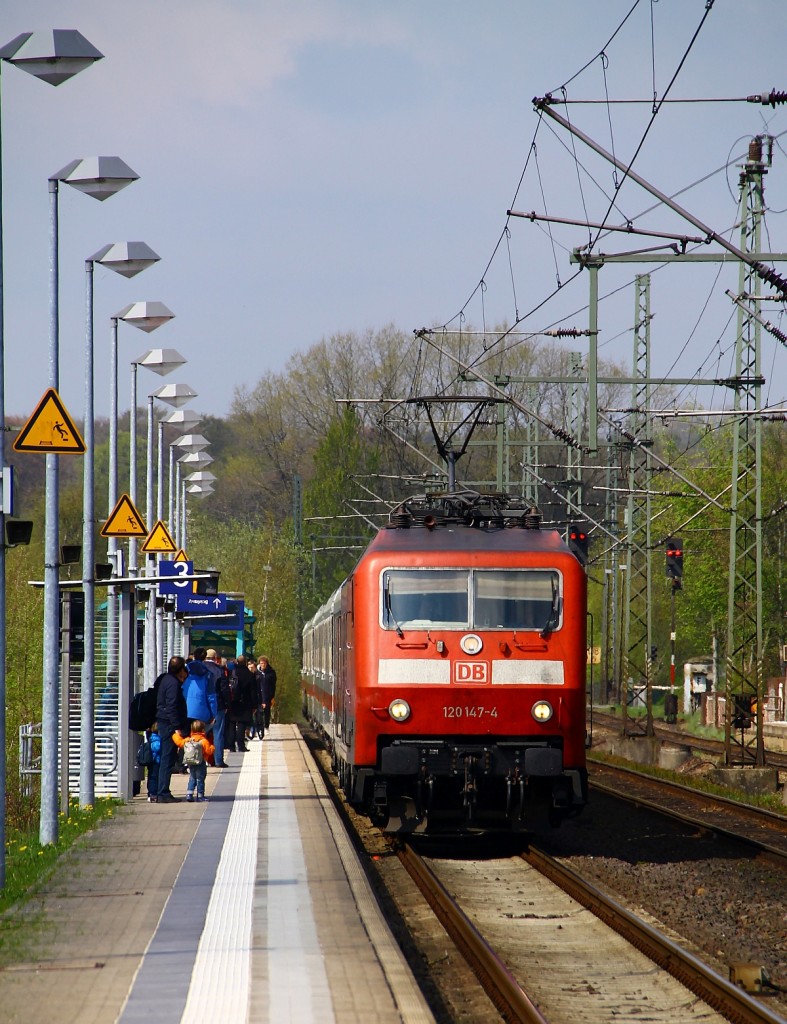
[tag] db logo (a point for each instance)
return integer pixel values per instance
(471, 671)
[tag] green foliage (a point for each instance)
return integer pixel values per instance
(28, 862)
(261, 562)
(344, 454)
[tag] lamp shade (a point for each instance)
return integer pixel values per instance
(161, 360)
(186, 419)
(175, 394)
(192, 442)
(199, 490)
(126, 258)
(97, 176)
(147, 316)
(53, 56)
(195, 460)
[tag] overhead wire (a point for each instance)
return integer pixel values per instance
(519, 320)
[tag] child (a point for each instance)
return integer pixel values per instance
(151, 759)
(197, 748)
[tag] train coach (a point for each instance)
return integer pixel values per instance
(447, 673)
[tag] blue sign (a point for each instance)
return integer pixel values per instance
(201, 604)
(236, 609)
(175, 569)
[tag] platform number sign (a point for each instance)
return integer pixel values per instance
(178, 571)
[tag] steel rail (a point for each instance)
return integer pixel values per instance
(746, 810)
(757, 845)
(774, 758)
(733, 1003)
(496, 980)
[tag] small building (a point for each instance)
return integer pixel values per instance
(699, 677)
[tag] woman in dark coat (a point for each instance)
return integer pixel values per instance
(241, 703)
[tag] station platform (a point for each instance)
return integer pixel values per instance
(249, 907)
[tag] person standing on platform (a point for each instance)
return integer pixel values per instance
(214, 666)
(171, 716)
(242, 689)
(256, 728)
(199, 689)
(197, 749)
(154, 742)
(266, 684)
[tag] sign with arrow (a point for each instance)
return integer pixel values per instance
(50, 429)
(201, 604)
(124, 521)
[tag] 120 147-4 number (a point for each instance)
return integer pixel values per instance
(468, 711)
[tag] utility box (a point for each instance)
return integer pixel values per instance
(698, 679)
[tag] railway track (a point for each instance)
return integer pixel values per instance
(523, 908)
(550, 947)
(762, 830)
(773, 758)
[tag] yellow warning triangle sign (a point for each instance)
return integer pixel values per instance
(50, 429)
(181, 556)
(158, 540)
(124, 521)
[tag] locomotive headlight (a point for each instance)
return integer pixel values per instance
(542, 711)
(399, 710)
(471, 643)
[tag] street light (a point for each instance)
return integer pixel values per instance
(146, 316)
(160, 361)
(176, 394)
(127, 259)
(189, 444)
(186, 419)
(154, 650)
(195, 461)
(201, 477)
(53, 57)
(98, 177)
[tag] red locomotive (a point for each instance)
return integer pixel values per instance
(447, 673)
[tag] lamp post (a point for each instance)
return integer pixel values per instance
(186, 420)
(154, 631)
(99, 177)
(147, 317)
(160, 361)
(127, 259)
(189, 445)
(53, 57)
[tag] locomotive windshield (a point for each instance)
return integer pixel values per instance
(471, 598)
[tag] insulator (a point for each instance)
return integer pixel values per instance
(399, 520)
(531, 520)
(769, 274)
(768, 99)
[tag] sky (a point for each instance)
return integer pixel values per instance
(311, 167)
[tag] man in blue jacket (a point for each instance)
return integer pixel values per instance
(199, 689)
(214, 666)
(170, 715)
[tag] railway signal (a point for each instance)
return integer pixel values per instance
(744, 711)
(675, 560)
(578, 542)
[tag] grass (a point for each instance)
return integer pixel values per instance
(28, 862)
